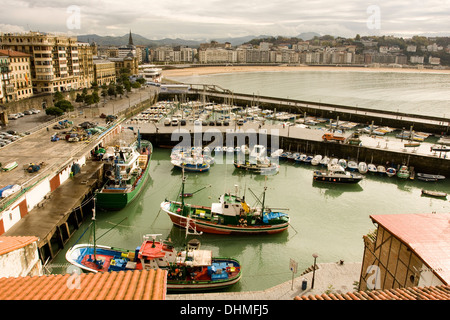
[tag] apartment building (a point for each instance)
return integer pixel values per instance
(54, 59)
(15, 74)
(86, 62)
(104, 72)
(4, 78)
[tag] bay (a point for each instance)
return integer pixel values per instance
(408, 92)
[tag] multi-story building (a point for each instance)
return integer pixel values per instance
(4, 78)
(16, 77)
(86, 62)
(54, 59)
(104, 71)
(434, 60)
(219, 55)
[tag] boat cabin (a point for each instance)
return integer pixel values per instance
(154, 255)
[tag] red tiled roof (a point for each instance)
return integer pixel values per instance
(12, 53)
(426, 234)
(122, 285)
(8, 243)
(411, 293)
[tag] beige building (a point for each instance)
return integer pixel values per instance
(57, 61)
(406, 250)
(86, 61)
(104, 71)
(16, 78)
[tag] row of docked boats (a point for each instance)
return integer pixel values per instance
(361, 167)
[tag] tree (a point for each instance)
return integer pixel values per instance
(54, 111)
(95, 97)
(119, 89)
(58, 96)
(112, 89)
(79, 98)
(64, 105)
(89, 99)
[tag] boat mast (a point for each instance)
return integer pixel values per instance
(93, 221)
(264, 195)
(182, 189)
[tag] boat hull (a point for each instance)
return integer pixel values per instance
(210, 227)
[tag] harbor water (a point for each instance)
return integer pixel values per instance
(327, 220)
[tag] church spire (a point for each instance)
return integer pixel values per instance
(130, 39)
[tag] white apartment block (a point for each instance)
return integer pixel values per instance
(416, 59)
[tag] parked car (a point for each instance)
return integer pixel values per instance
(13, 116)
(183, 122)
(27, 112)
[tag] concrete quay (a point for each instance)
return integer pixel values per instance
(328, 278)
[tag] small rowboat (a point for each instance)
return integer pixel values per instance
(10, 166)
(436, 194)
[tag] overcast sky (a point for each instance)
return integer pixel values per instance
(210, 19)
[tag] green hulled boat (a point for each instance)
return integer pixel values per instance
(126, 169)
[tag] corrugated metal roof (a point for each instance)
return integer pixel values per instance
(410, 293)
(427, 234)
(8, 243)
(122, 285)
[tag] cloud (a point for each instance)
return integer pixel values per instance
(217, 18)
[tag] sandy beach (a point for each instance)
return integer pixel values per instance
(187, 72)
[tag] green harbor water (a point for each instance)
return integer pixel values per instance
(329, 220)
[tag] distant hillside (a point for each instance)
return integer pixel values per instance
(308, 35)
(142, 41)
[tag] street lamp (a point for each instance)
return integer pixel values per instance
(315, 255)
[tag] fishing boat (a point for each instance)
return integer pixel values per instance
(343, 163)
(372, 168)
(10, 166)
(257, 162)
(435, 194)
(316, 160)
(382, 170)
(429, 177)
(308, 159)
(190, 269)
(126, 169)
(336, 174)
(352, 165)
(441, 148)
(390, 172)
(403, 172)
(193, 164)
(231, 215)
(325, 160)
(362, 167)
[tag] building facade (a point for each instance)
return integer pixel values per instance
(104, 72)
(58, 63)
(16, 77)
